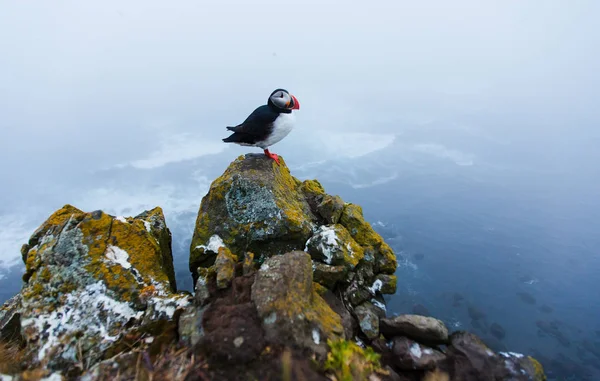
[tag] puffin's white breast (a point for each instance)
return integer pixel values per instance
(282, 126)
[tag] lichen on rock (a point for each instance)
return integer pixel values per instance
(333, 245)
(257, 206)
(290, 308)
(89, 278)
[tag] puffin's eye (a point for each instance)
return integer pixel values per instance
(281, 96)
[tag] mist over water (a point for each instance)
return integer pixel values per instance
(468, 132)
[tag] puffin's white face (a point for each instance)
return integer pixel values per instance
(284, 100)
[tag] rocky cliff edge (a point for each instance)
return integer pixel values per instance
(289, 285)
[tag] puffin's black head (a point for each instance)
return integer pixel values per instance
(281, 99)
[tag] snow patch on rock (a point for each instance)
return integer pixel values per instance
(214, 244)
(81, 314)
(415, 350)
(117, 255)
(316, 336)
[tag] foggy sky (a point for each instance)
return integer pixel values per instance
(86, 87)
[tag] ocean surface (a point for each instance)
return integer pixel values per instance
(509, 252)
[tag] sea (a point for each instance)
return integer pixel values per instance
(490, 237)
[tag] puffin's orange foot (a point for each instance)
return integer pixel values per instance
(272, 156)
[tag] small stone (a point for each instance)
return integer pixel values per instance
(190, 325)
(331, 208)
(238, 341)
(368, 320)
(421, 328)
(202, 294)
(289, 305)
(410, 355)
(248, 266)
(385, 259)
(356, 294)
(225, 267)
(328, 276)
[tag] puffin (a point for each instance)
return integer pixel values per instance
(268, 124)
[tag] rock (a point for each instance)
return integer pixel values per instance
(379, 306)
(248, 266)
(384, 283)
(90, 279)
(201, 290)
(469, 358)
(257, 206)
(328, 276)
(338, 307)
(289, 307)
(10, 320)
(357, 294)
(313, 193)
(225, 267)
(410, 355)
(421, 328)
(333, 245)
(368, 320)
(190, 328)
(497, 331)
(331, 209)
(362, 232)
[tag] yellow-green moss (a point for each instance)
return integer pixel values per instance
(61, 216)
(287, 198)
(362, 232)
(145, 254)
(321, 313)
(312, 188)
(539, 370)
(319, 289)
(346, 361)
(222, 213)
(302, 299)
(386, 259)
(354, 252)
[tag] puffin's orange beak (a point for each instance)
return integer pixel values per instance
(296, 103)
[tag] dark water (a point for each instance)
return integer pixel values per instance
(496, 262)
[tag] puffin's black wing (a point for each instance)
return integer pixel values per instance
(255, 128)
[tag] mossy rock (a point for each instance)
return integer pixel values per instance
(364, 234)
(225, 267)
(328, 276)
(89, 278)
(257, 206)
(331, 208)
(368, 319)
(290, 307)
(385, 284)
(333, 245)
